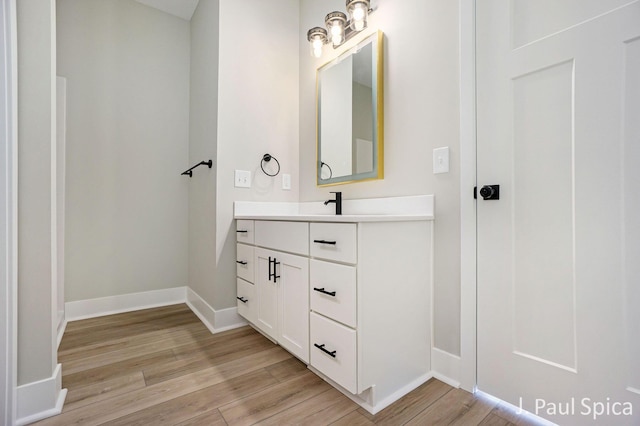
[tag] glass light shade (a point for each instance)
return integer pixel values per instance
(358, 14)
(335, 22)
(317, 38)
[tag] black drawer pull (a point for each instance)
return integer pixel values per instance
(242, 231)
(333, 243)
(321, 347)
(242, 299)
(241, 262)
(323, 291)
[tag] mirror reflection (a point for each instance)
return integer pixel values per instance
(350, 115)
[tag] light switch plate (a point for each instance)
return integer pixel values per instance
(286, 181)
(243, 179)
(441, 160)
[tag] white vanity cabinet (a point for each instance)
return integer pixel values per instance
(351, 299)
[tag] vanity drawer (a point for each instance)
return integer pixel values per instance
(292, 237)
(244, 231)
(245, 262)
(333, 291)
(246, 300)
(334, 241)
(340, 341)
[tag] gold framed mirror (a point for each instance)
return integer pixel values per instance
(350, 116)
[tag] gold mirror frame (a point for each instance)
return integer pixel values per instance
(377, 104)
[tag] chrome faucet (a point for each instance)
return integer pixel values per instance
(337, 201)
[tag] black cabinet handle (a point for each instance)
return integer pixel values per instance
(242, 231)
(323, 291)
(242, 299)
(241, 262)
(273, 274)
(333, 243)
(321, 347)
(275, 277)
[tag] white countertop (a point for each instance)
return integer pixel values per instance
(395, 209)
(339, 218)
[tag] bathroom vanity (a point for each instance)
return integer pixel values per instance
(348, 295)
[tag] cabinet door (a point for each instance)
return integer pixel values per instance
(293, 326)
(267, 291)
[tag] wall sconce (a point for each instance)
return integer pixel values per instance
(339, 29)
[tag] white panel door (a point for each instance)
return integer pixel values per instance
(293, 279)
(267, 293)
(558, 129)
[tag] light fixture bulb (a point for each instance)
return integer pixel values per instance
(335, 29)
(317, 38)
(358, 25)
(336, 33)
(316, 46)
(335, 22)
(358, 11)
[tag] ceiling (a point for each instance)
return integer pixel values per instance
(181, 8)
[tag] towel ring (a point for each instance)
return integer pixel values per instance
(322, 164)
(265, 159)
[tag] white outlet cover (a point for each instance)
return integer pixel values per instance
(441, 160)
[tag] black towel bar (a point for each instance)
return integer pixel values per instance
(202, 163)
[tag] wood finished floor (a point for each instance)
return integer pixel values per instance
(163, 367)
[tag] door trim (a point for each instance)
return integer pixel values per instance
(8, 211)
(468, 277)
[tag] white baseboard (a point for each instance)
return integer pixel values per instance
(91, 308)
(445, 367)
(41, 399)
(409, 387)
(364, 399)
(216, 321)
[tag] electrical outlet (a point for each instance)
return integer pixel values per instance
(441, 160)
(286, 181)
(243, 179)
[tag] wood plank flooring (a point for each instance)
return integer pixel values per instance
(163, 367)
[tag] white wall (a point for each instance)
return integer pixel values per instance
(36, 186)
(421, 86)
(257, 113)
(203, 124)
(127, 70)
(39, 390)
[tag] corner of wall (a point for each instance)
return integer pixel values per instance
(215, 320)
(41, 399)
